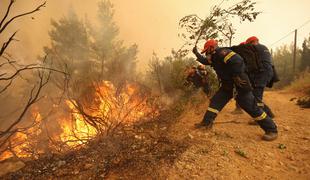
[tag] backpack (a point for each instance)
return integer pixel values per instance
(250, 56)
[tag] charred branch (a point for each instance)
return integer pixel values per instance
(7, 12)
(6, 44)
(4, 24)
(33, 98)
(20, 68)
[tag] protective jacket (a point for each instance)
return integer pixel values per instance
(264, 76)
(227, 65)
(230, 69)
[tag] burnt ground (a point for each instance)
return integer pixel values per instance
(171, 148)
(137, 151)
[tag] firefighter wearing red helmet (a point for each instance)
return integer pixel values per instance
(252, 40)
(230, 69)
(264, 75)
(198, 76)
(209, 46)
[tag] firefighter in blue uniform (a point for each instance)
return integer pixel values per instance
(261, 78)
(230, 69)
(198, 76)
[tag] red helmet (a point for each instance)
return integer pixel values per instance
(242, 43)
(251, 39)
(210, 43)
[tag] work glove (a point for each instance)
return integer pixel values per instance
(195, 50)
(239, 82)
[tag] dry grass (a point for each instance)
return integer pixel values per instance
(301, 84)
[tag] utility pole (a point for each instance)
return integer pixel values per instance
(295, 49)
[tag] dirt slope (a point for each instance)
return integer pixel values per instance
(233, 149)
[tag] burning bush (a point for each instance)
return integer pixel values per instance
(108, 109)
(102, 112)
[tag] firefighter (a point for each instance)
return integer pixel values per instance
(198, 76)
(263, 76)
(230, 69)
(238, 109)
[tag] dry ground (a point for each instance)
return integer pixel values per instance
(233, 149)
(173, 149)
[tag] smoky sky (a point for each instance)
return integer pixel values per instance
(152, 24)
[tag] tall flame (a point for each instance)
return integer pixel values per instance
(76, 132)
(109, 106)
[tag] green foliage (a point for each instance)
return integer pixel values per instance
(217, 24)
(241, 152)
(282, 146)
(305, 55)
(70, 52)
(283, 61)
(225, 153)
(168, 75)
(90, 52)
(118, 63)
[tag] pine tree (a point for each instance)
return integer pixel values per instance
(91, 53)
(305, 55)
(117, 62)
(70, 47)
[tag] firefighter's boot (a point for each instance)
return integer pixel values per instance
(270, 136)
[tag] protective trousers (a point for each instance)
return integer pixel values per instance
(247, 102)
(259, 81)
(258, 92)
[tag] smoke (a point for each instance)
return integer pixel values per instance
(149, 24)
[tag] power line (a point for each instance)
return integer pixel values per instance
(281, 38)
(290, 33)
(304, 24)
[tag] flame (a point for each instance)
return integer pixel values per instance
(110, 107)
(79, 131)
(20, 144)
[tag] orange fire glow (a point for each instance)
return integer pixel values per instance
(111, 106)
(20, 144)
(108, 108)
